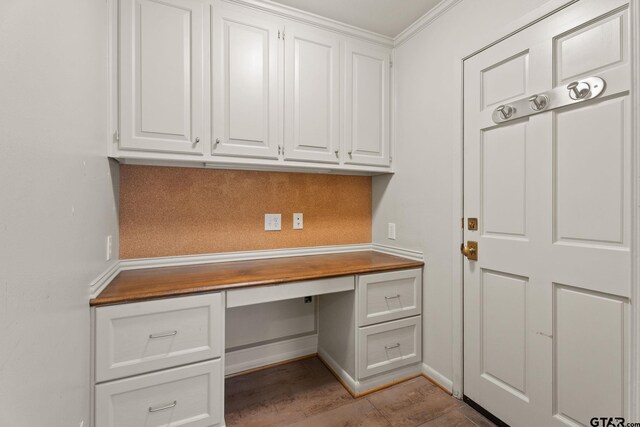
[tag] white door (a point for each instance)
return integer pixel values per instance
(312, 95)
(366, 103)
(546, 302)
(163, 60)
(245, 71)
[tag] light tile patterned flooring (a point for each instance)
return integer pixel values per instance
(305, 393)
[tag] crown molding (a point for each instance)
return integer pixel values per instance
(308, 18)
(424, 21)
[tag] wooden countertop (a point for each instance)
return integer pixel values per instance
(151, 283)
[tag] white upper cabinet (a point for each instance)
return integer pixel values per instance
(213, 83)
(366, 96)
(312, 95)
(164, 55)
(245, 70)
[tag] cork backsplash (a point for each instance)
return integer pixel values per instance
(168, 211)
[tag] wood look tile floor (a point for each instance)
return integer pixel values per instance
(305, 393)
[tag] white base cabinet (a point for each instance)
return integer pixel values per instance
(373, 336)
(160, 362)
(209, 83)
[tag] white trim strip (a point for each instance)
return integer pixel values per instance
(173, 261)
(437, 377)
(267, 354)
(634, 397)
(392, 250)
(100, 282)
(318, 21)
(424, 21)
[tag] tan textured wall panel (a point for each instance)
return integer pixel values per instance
(168, 211)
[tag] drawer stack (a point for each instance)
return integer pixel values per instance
(160, 362)
(389, 321)
(372, 337)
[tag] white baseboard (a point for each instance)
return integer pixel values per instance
(347, 380)
(388, 378)
(436, 376)
(366, 384)
(268, 354)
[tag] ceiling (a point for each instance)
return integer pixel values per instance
(387, 17)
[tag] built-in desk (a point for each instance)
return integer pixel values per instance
(158, 333)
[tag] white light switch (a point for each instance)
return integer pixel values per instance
(391, 232)
(272, 222)
(297, 221)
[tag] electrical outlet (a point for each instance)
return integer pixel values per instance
(272, 222)
(297, 221)
(391, 231)
(109, 248)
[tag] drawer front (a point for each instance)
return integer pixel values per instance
(388, 346)
(261, 294)
(147, 336)
(389, 296)
(187, 396)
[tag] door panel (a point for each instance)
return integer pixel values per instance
(245, 84)
(504, 189)
(367, 104)
(505, 80)
(504, 324)
(312, 96)
(590, 172)
(164, 54)
(545, 323)
(590, 48)
(590, 334)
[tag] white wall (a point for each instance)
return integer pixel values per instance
(418, 197)
(57, 204)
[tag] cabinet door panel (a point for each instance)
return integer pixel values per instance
(312, 105)
(367, 104)
(245, 85)
(163, 55)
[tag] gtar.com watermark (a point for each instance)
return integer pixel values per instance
(611, 422)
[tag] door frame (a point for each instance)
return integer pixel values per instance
(460, 56)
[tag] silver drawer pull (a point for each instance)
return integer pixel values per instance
(395, 296)
(389, 347)
(164, 334)
(162, 408)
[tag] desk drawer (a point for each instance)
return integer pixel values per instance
(262, 294)
(389, 296)
(147, 336)
(187, 396)
(389, 346)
